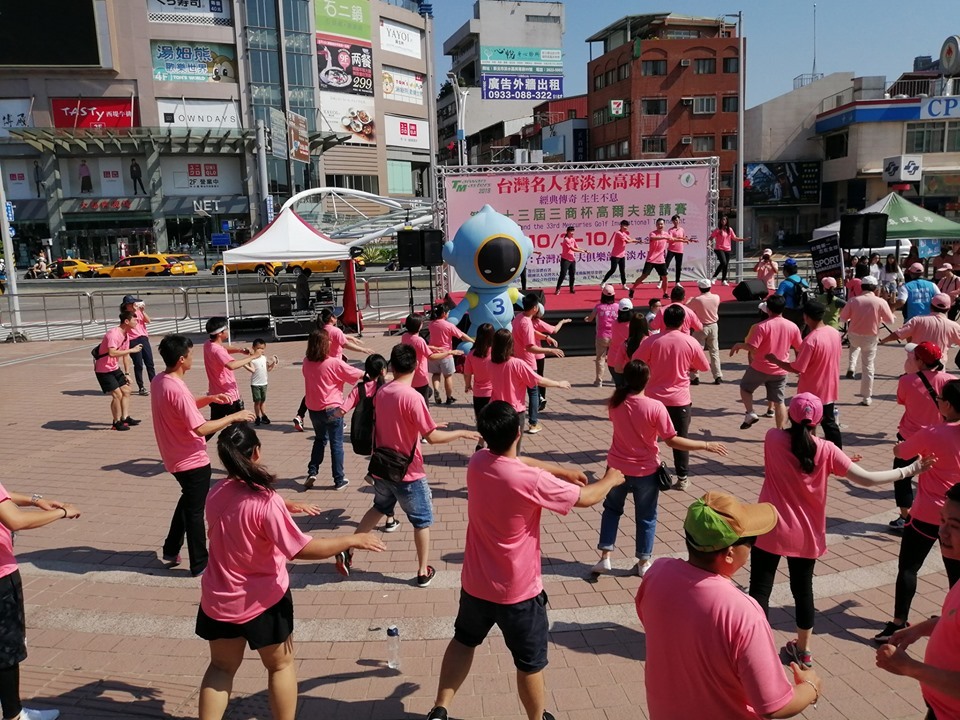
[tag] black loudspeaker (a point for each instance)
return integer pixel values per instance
(280, 305)
(409, 249)
(735, 321)
(433, 248)
(863, 230)
(752, 289)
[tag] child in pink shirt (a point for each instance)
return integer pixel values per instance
(425, 353)
(476, 371)
(442, 333)
(605, 314)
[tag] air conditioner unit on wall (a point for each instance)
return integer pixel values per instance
(687, 100)
(686, 140)
(685, 62)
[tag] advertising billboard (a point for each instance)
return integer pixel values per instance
(352, 114)
(402, 85)
(298, 139)
(345, 64)
(521, 87)
(407, 132)
(191, 12)
(401, 39)
(188, 61)
(594, 201)
(530, 60)
(346, 18)
(203, 176)
(103, 177)
(95, 113)
(781, 183)
(14, 114)
(190, 113)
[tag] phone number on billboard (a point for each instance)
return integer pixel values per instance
(521, 95)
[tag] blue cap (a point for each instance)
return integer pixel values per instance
(789, 262)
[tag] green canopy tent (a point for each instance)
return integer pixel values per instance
(905, 221)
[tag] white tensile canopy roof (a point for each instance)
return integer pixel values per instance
(288, 237)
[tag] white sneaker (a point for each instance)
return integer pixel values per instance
(866, 401)
(713, 281)
(29, 714)
(603, 566)
(640, 569)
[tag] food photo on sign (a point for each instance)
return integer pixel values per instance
(350, 113)
(344, 64)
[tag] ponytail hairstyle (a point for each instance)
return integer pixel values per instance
(484, 341)
(235, 448)
(635, 376)
(502, 349)
(373, 369)
(638, 331)
(802, 445)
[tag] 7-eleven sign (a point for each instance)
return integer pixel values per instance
(616, 108)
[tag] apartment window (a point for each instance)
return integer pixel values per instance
(675, 34)
(597, 81)
(729, 103)
(924, 137)
(653, 144)
(705, 105)
(609, 77)
(624, 148)
(726, 181)
(835, 146)
(367, 183)
(601, 153)
(953, 136)
(623, 72)
(704, 143)
(653, 67)
(549, 19)
(705, 66)
(653, 106)
(728, 142)
(731, 65)
(571, 114)
(612, 151)
(597, 117)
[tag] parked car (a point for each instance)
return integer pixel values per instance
(322, 266)
(263, 269)
(182, 265)
(138, 266)
(75, 267)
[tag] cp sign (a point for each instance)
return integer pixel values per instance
(940, 108)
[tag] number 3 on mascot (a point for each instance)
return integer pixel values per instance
(489, 251)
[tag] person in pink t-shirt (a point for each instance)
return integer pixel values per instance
(921, 530)
(678, 239)
(939, 673)
(501, 578)
(568, 259)
(548, 331)
(691, 321)
(710, 650)
(605, 314)
(425, 353)
(442, 333)
(140, 337)
(245, 597)
(723, 238)
(638, 422)
(476, 371)
(219, 366)
(617, 353)
(528, 345)
(767, 270)
(797, 465)
(181, 433)
(112, 380)
(402, 418)
(656, 258)
(935, 327)
(13, 629)
(618, 251)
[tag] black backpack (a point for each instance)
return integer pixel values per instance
(361, 422)
(801, 293)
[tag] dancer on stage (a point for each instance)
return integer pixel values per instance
(568, 259)
(621, 238)
(656, 256)
(679, 238)
(723, 238)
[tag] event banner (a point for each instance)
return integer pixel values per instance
(190, 61)
(827, 257)
(593, 201)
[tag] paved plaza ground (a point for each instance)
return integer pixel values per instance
(111, 630)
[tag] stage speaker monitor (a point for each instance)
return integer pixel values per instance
(433, 248)
(280, 305)
(752, 289)
(863, 230)
(409, 249)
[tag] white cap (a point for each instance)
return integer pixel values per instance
(541, 309)
(910, 347)
(767, 251)
(703, 283)
(762, 307)
(625, 304)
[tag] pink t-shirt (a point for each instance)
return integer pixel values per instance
(442, 333)
(505, 497)
(658, 247)
(353, 397)
(544, 327)
(919, 409)
(854, 287)
(252, 536)
(637, 424)
(864, 314)
(671, 356)
(943, 652)
(220, 378)
(767, 272)
(567, 247)
(420, 375)
(706, 306)
(617, 354)
(722, 239)
(619, 248)
(800, 498)
(140, 329)
(8, 563)
(402, 418)
(691, 320)
(523, 337)
(818, 361)
(324, 381)
(936, 328)
(175, 420)
(710, 650)
(337, 340)
(114, 338)
(510, 381)
(676, 246)
(479, 369)
(933, 484)
(774, 335)
(605, 315)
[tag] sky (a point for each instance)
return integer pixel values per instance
(866, 37)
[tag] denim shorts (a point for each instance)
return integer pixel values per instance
(415, 500)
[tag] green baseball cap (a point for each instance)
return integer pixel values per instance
(717, 520)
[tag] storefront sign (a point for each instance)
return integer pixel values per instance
(185, 61)
(95, 113)
(346, 64)
(521, 87)
(202, 207)
(201, 175)
(298, 139)
(14, 114)
(190, 12)
(407, 132)
(104, 204)
(946, 185)
(189, 113)
(19, 180)
(278, 134)
(529, 60)
(349, 18)
(827, 257)
(903, 168)
(402, 85)
(350, 114)
(401, 39)
(940, 108)
(111, 177)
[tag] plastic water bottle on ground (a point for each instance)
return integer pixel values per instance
(393, 647)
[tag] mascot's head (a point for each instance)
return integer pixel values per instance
(489, 250)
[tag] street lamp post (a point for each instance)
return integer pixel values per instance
(741, 99)
(460, 97)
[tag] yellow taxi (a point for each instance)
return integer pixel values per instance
(322, 266)
(138, 266)
(263, 269)
(182, 265)
(75, 267)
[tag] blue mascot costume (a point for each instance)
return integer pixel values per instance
(489, 251)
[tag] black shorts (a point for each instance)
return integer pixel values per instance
(524, 626)
(271, 627)
(13, 625)
(479, 403)
(425, 391)
(110, 381)
(661, 268)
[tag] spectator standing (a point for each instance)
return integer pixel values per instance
(653, 308)
(831, 301)
(219, 366)
(568, 259)
(948, 283)
(864, 315)
(304, 296)
(723, 238)
(767, 270)
(140, 337)
(618, 252)
(914, 296)
(605, 314)
(114, 381)
(891, 278)
(792, 288)
(706, 307)
(656, 258)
